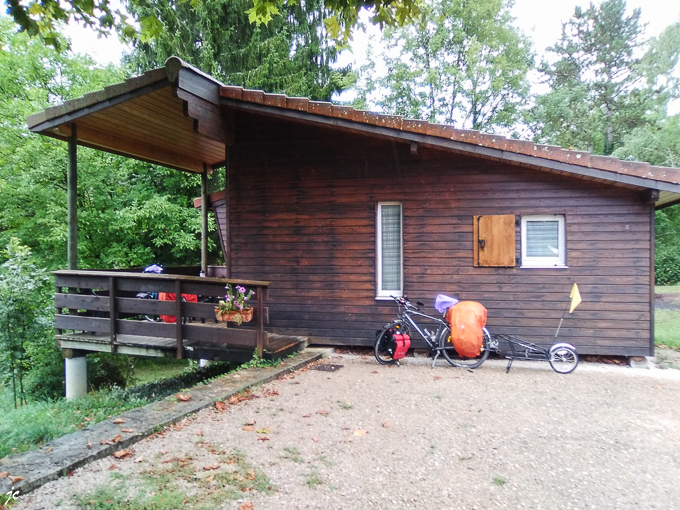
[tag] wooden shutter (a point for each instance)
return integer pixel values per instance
(494, 241)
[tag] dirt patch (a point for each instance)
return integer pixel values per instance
(369, 436)
(667, 301)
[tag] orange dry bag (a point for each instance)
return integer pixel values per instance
(466, 320)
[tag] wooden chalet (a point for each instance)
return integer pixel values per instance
(336, 209)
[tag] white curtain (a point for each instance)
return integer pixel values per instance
(542, 239)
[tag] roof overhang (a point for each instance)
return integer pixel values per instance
(169, 116)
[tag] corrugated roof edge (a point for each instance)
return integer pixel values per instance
(527, 147)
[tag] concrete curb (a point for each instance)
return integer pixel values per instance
(70, 452)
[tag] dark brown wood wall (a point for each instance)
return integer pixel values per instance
(302, 211)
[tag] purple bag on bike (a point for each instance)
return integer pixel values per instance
(442, 303)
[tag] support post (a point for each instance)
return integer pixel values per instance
(75, 372)
(260, 321)
(112, 314)
(178, 319)
(227, 237)
(204, 221)
(72, 199)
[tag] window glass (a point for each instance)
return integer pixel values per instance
(543, 241)
(389, 250)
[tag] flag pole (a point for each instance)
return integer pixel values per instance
(560, 324)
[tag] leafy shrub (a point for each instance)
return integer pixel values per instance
(667, 267)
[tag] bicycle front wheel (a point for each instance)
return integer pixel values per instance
(456, 360)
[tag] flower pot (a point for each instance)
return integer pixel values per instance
(234, 316)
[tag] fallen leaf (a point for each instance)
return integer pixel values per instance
(16, 479)
(118, 421)
(47, 450)
(315, 439)
(263, 431)
(117, 439)
(199, 433)
(122, 454)
(322, 413)
(360, 432)
(246, 505)
(165, 461)
(386, 424)
(306, 415)
(127, 431)
(270, 393)
(112, 467)
(87, 418)
(240, 397)
(211, 467)
(437, 377)
(89, 444)
(251, 472)
(210, 478)
(248, 428)
(163, 452)
(183, 397)
(220, 405)
(263, 438)
(4, 474)
(375, 372)
(252, 422)
(139, 459)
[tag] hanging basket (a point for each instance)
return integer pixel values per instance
(234, 316)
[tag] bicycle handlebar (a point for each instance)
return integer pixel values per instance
(403, 301)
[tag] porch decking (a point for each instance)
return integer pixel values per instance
(101, 311)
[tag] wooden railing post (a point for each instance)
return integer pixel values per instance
(178, 318)
(59, 290)
(112, 313)
(260, 320)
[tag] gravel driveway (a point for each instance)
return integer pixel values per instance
(368, 436)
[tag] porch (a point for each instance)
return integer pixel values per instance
(103, 311)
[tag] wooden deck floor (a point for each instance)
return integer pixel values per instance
(278, 346)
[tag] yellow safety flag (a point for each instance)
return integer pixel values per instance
(575, 296)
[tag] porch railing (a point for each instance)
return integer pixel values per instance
(106, 303)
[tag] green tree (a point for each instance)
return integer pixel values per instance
(25, 315)
(600, 88)
(41, 17)
(463, 63)
(290, 55)
(130, 213)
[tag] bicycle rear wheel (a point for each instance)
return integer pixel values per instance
(385, 344)
(454, 359)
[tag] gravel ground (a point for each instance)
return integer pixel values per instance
(368, 436)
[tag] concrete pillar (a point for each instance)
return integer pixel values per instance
(204, 363)
(76, 377)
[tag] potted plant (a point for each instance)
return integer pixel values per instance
(235, 307)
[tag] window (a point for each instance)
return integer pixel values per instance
(389, 243)
(543, 241)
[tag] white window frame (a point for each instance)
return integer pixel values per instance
(545, 262)
(384, 294)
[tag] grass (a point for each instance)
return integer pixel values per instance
(152, 369)
(499, 481)
(292, 453)
(667, 328)
(312, 479)
(32, 425)
(667, 289)
(178, 485)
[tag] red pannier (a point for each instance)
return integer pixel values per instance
(403, 343)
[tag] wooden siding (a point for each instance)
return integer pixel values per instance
(302, 207)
